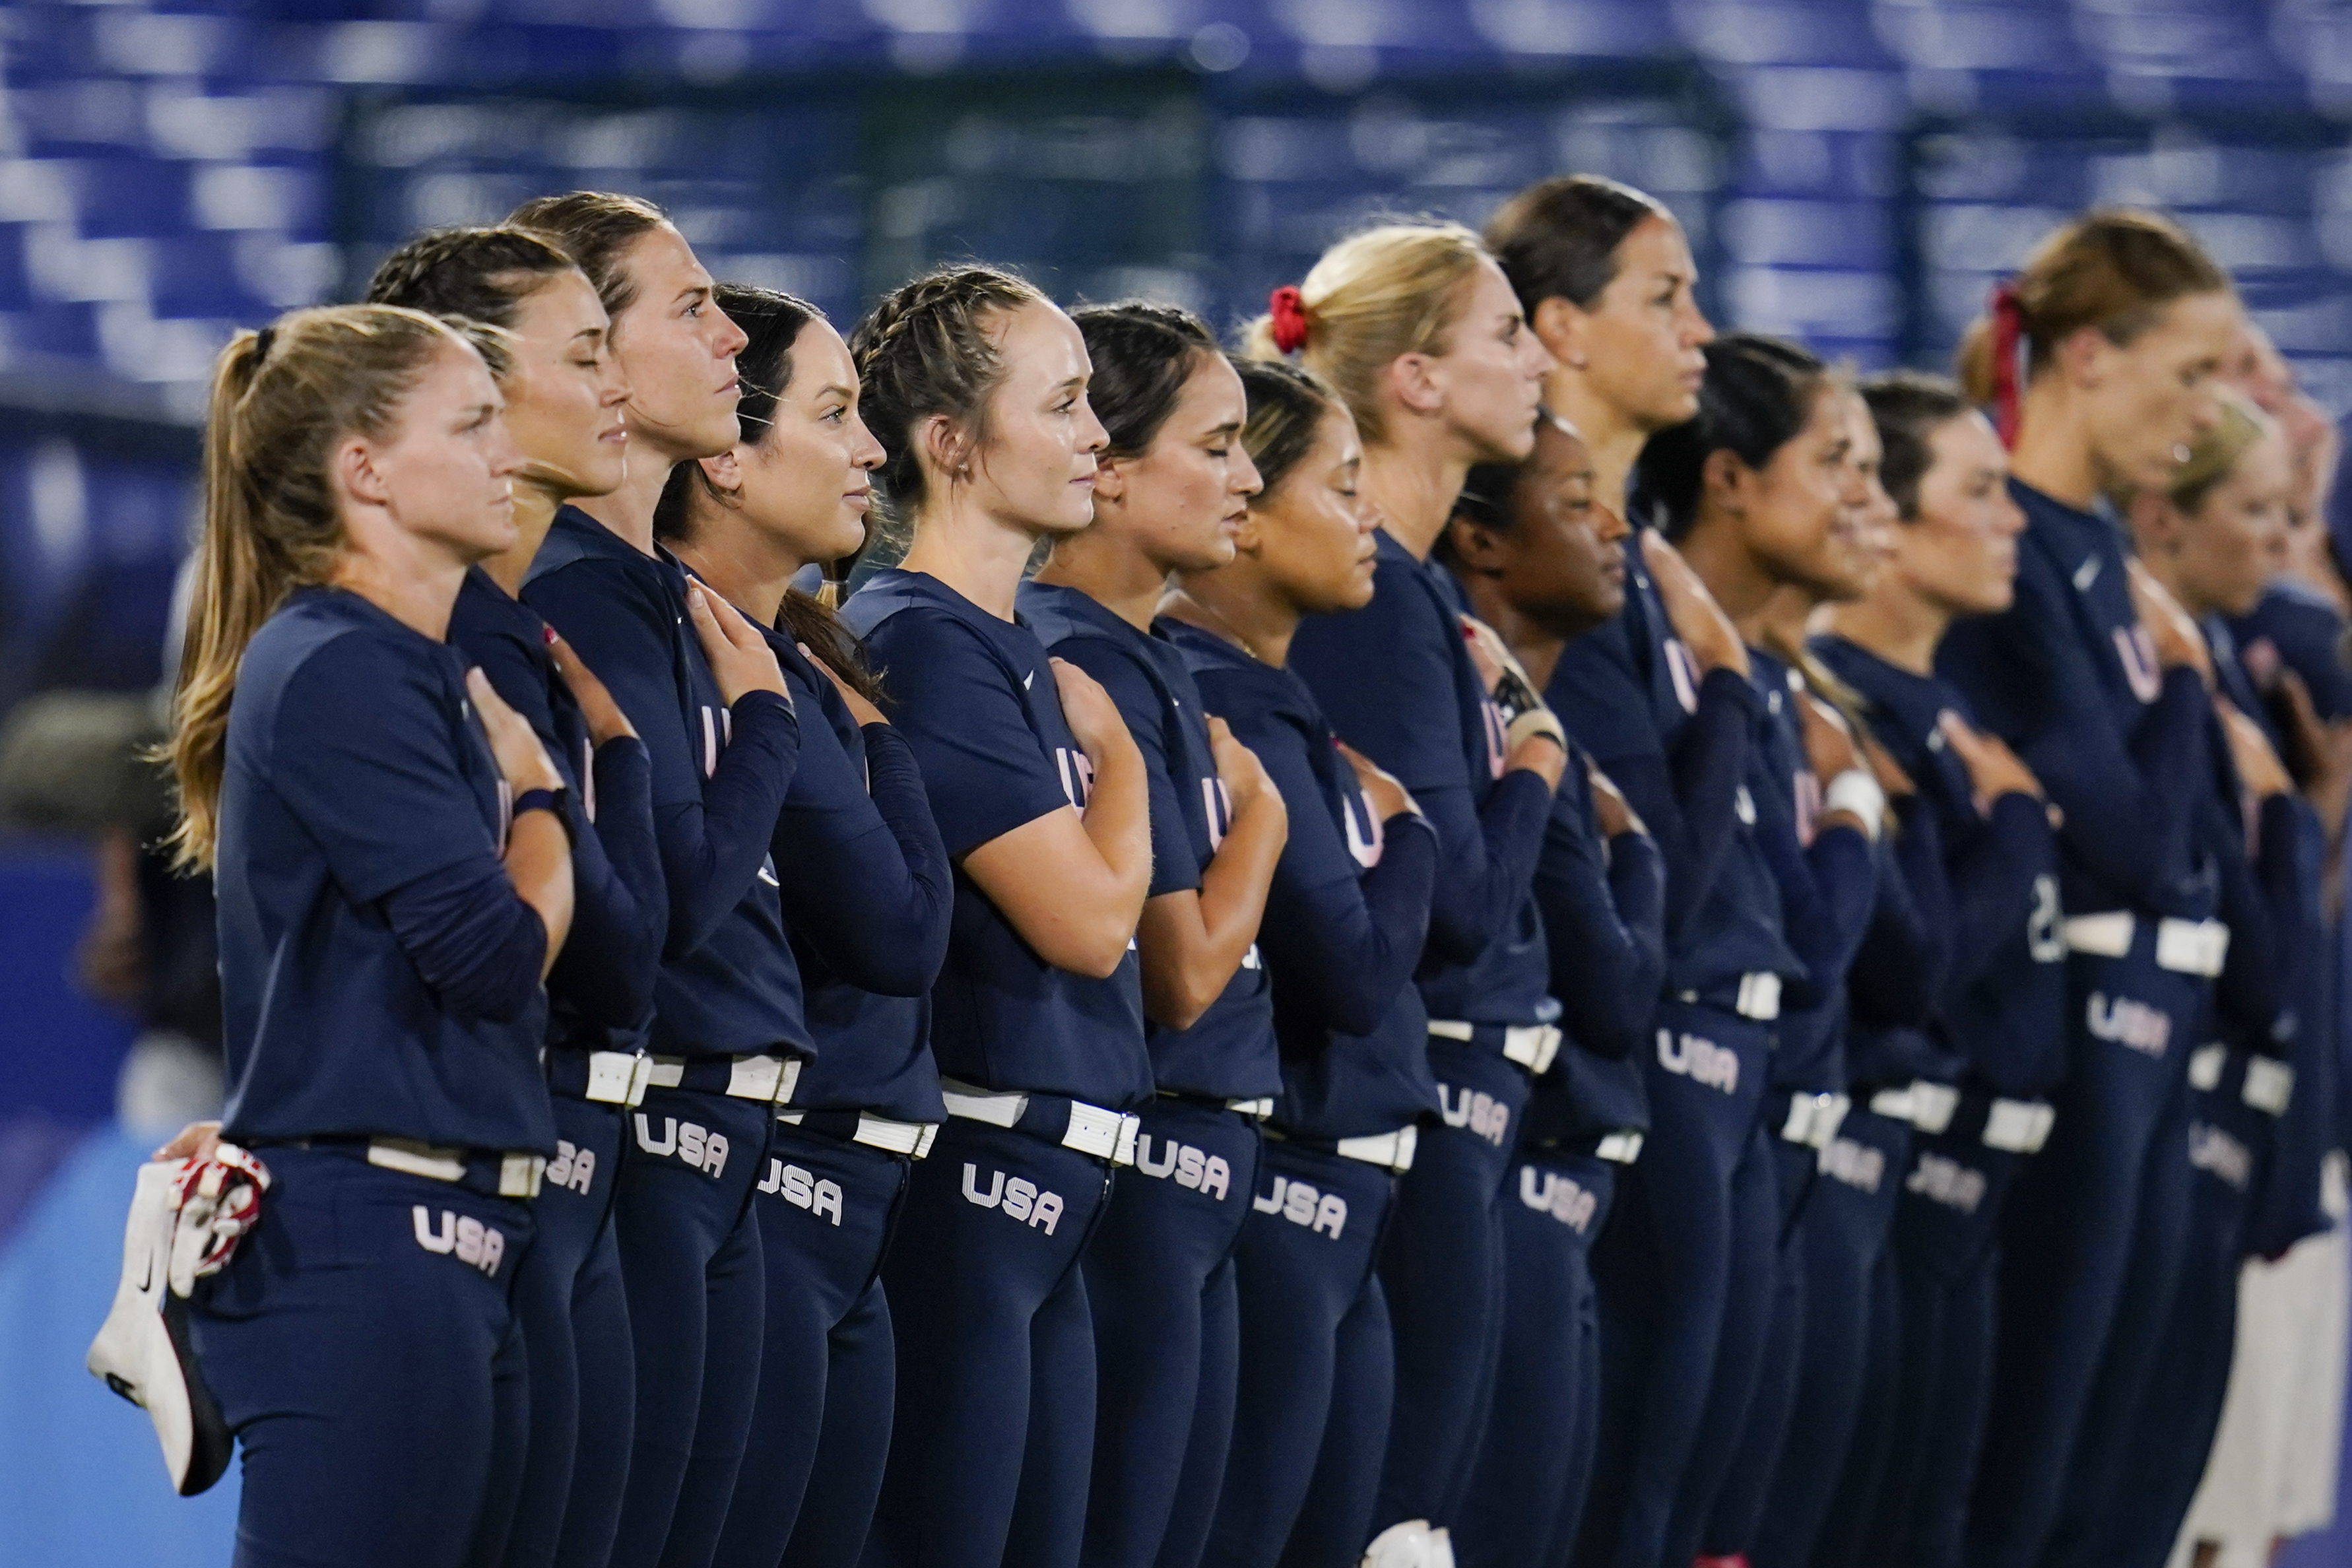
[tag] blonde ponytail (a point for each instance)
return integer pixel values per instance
(283, 399)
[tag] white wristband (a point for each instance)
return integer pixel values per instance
(1855, 791)
(1536, 722)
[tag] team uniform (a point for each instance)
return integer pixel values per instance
(1679, 748)
(1346, 920)
(2253, 1156)
(2067, 676)
(1042, 1072)
(1832, 1442)
(1603, 904)
(1828, 883)
(1397, 681)
(1160, 1273)
(567, 1292)
(868, 894)
(1994, 1045)
(381, 987)
(729, 1040)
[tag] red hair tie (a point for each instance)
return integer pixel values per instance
(1288, 314)
(2008, 330)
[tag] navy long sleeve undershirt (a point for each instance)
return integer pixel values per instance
(472, 938)
(1604, 923)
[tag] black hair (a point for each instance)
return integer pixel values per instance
(772, 322)
(1286, 409)
(1559, 237)
(1758, 394)
(1143, 354)
(1910, 406)
(478, 274)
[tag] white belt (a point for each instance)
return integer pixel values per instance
(519, 1174)
(2018, 1126)
(2269, 1085)
(1814, 1119)
(1260, 1108)
(1758, 997)
(1619, 1148)
(1105, 1134)
(2205, 1066)
(618, 1078)
(1390, 1151)
(912, 1139)
(1532, 1046)
(1895, 1104)
(768, 1079)
(1925, 1105)
(2185, 947)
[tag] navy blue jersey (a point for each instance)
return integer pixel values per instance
(601, 993)
(868, 896)
(1397, 682)
(1348, 915)
(728, 985)
(977, 701)
(1827, 878)
(1229, 1052)
(1678, 746)
(2294, 627)
(2068, 677)
(356, 769)
(1905, 964)
(2003, 1008)
(1604, 920)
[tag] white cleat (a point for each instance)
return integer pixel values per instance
(1412, 1544)
(141, 1350)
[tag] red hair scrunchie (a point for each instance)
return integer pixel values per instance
(1288, 314)
(2008, 330)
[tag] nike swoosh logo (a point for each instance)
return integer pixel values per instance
(1027, 678)
(2085, 574)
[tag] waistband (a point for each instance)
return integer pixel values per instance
(2018, 1126)
(608, 1077)
(492, 1173)
(1925, 1104)
(1618, 1148)
(1391, 1152)
(769, 1079)
(2185, 947)
(1072, 1123)
(1812, 1119)
(2268, 1086)
(1532, 1046)
(911, 1139)
(1756, 995)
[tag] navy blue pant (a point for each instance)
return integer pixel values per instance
(1757, 1363)
(363, 1346)
(1161, 1282)
(993, 1434)
(1317, 1366)
(2075, 1226)
(1442, 1267)
(690, 1257)
(821, 1428)
(1528, 1489)
(2173, 1428)
(1844, 1536)
(575, 1323)
(1666, 1270)
(1842, 1239)
(1947, 1253)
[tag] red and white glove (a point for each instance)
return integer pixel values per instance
(217, 1199)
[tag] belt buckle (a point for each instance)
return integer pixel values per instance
(1092, 1129)
(1619, 1148)
(1759, 995)
(519, 1175)
(2269, 1085)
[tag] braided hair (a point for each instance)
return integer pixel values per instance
(928, 348)
(478, 274)
(1143, 354)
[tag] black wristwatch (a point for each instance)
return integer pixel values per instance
(555, 801)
